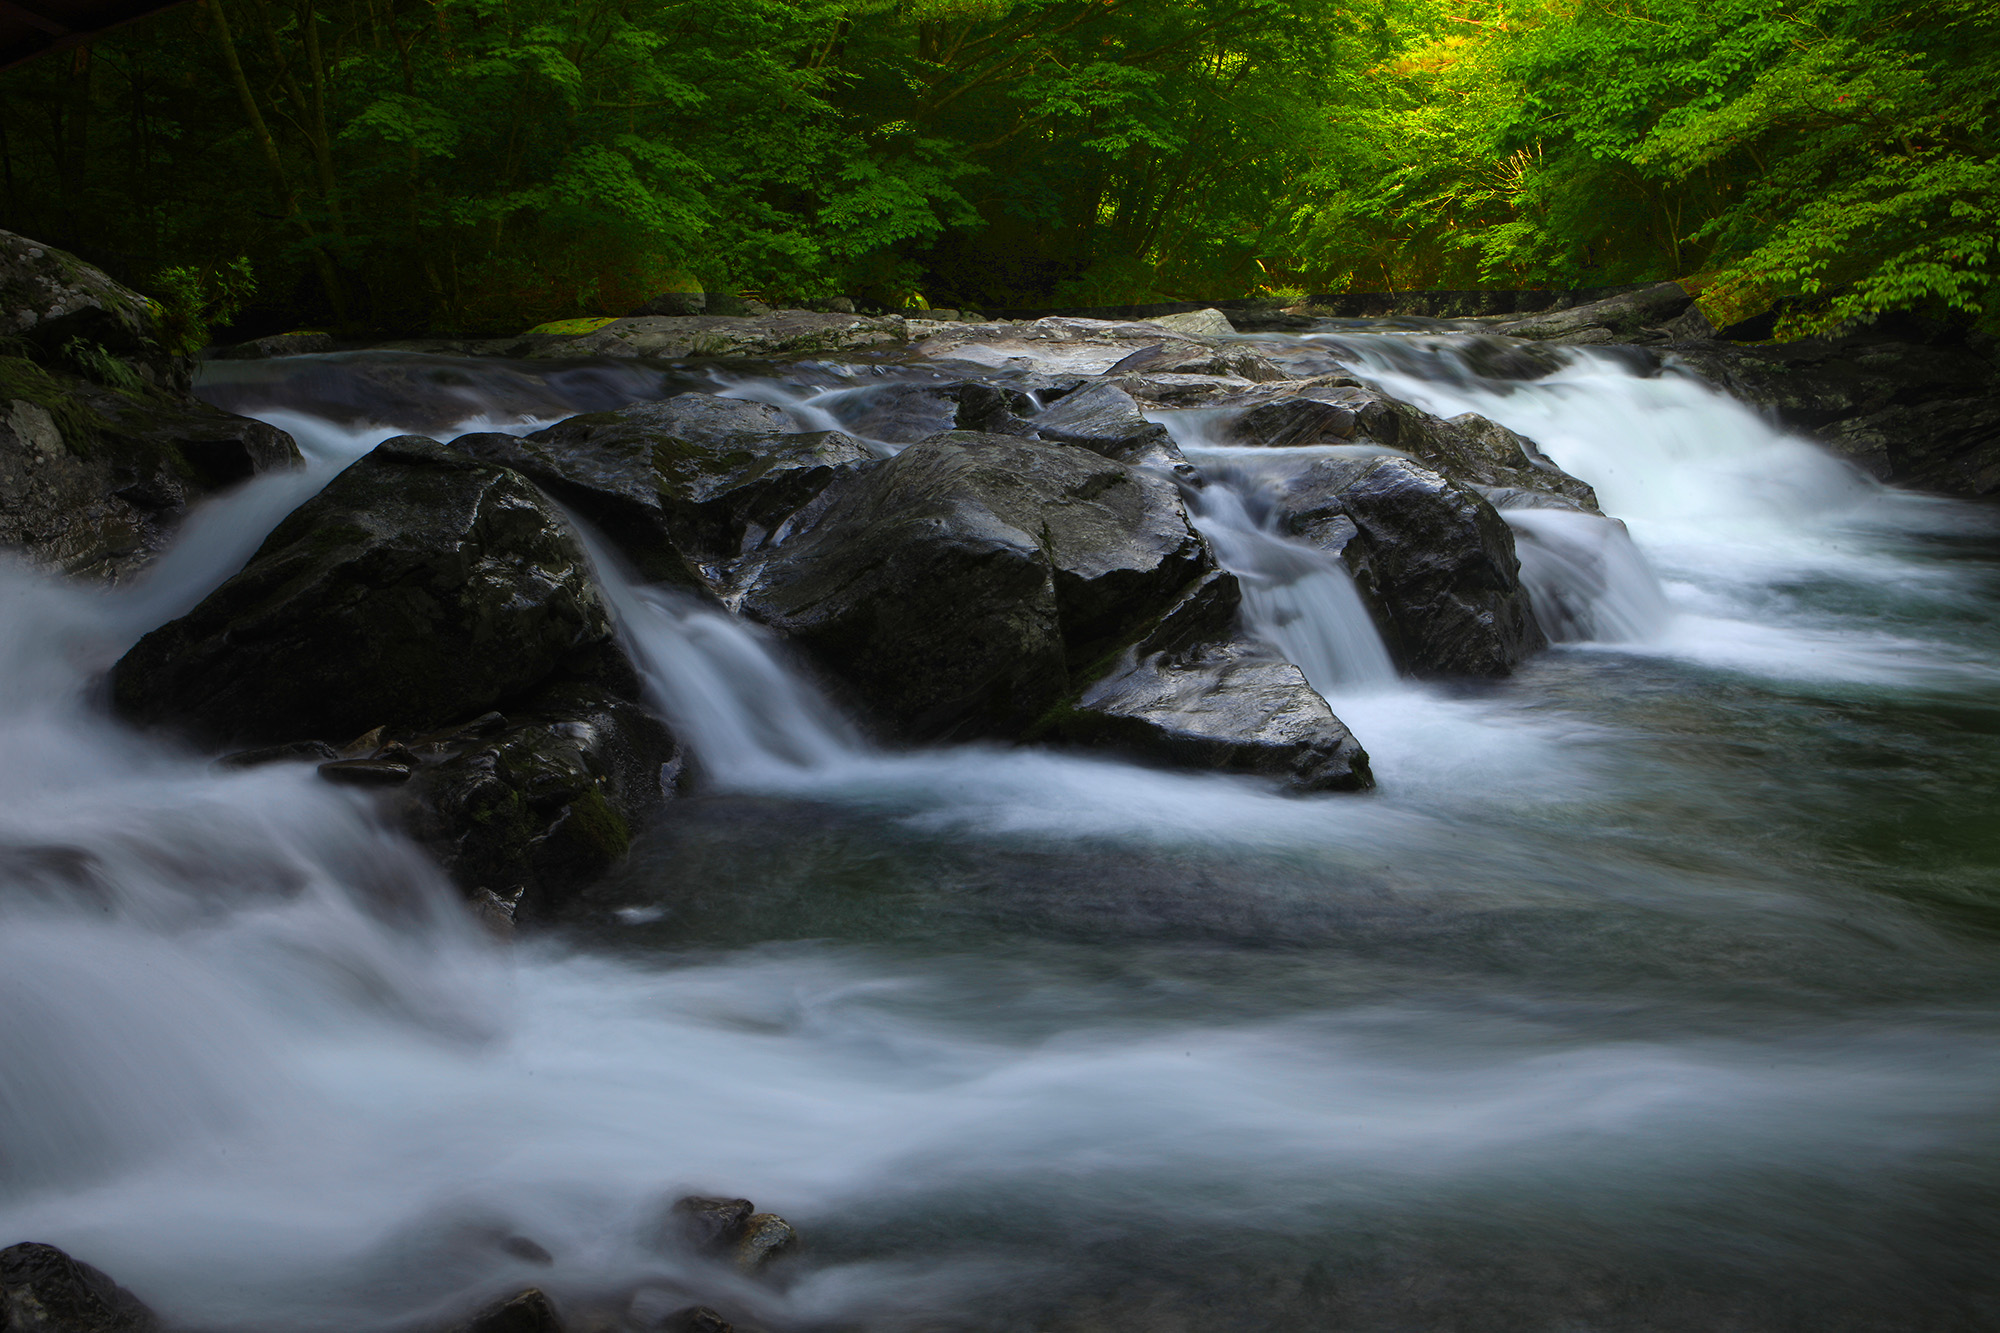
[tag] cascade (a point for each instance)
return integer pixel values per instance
(1664, 959)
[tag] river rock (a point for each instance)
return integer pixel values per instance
(301, 343)
(953, 588)
(61, 306)
(1207, 323)
(43, 1290)
(531, 1311)
(532, 806)
(1431, 554)
(782, 333)
(1194, 693)
(1182, 358)
(1106, 420)
(418, 587)
(101, 451)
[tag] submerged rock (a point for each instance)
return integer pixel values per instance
(1430, 554)
(418, 587)
(730, 1229)
(43, 1290)
(531, 1311)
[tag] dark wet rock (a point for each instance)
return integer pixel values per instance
(952, 588)
(64, 308)
(1193, 693)
(897, 413)
(765, 1237)
(994, 410)
(680, 484)
(43, 1290)
(365, 772)
(1106, 420)
(1234, 707)
(291, 752)
(419, 587)
(1431, 553)
(1295, 421)
(277, 344)
(1472, 450)
(1508, 358)
(695, 1319)
(1907, 401)
(94, 480)
(529, 1312)
(1618, 318)
(727, 497)
(685, 416)
(1181, 358)
(711, 1225)
(535, 807)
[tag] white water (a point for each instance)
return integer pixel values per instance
(255, 1063)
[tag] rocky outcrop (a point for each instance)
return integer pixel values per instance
(1431, 555)
(1106, 420)
(1907, 400)
(1182, 358)
(301, 343)
(429, 621)
(43, 1290)
(669, 337)
(529, 1311)
(1193, 693)
(101, 450)
(954, 588)
(419, 587)
(1625, 317)
(53, 305)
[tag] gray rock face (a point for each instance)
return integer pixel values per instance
(1182, 358)
(1295, 421)
(277, 344)
(1106, 420)
(1193, 693)
(728, 497)
(1906, 401)
(43, 1290)
(419, 587)
(531, 1311)
(954, 587)
(50, 298)
(785, 332)
(1231, 707)
(101, 450)
(1432, 554)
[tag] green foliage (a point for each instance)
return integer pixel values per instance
(193, 300)
(480, 165)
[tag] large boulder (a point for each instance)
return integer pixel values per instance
(1188, 358)
(63, 307)
(101, 450)
(681, 486)
(955, 588)
(419, 587)
(1193, 693)
(522, 810)
(1431, 555)
(1106, 420)
(43, 1290)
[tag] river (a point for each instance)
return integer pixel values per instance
(1656, 987)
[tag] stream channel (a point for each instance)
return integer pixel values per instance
(1656, 987)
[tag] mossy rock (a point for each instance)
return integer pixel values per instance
(570, 328)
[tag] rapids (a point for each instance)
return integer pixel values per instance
(1655, 988)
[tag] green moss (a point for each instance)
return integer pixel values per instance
(571, 328)
(594, 823)
(81, 425)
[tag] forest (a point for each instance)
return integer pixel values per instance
(462, 166)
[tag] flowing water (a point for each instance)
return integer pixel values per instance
(1656, 987)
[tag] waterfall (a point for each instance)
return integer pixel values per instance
(1586, 580)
